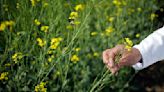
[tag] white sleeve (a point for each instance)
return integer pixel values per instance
(151, 49)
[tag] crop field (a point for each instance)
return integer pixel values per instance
(57, 45)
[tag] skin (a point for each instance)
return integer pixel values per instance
(128, 58)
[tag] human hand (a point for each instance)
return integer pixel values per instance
(128, 58)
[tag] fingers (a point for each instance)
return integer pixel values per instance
(108, 58)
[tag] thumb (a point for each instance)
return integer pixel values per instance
(123, 62)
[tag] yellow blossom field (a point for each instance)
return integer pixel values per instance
(57, 45)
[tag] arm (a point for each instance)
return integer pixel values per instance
(151, 49)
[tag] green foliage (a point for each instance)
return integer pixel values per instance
(100, 24)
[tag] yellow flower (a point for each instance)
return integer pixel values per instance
(137, 35)
(45, 4)
(79, 7)
(55, 42)
(41, 87)
(17, 5)
(41, 42)
(69, 27)
(37, 22)
(17, 56)
(50, 58)
(153, 16)
(109, 30)
(139, 9)
(4, 75)
(128, 43)
(2, 26)
(33, 2)
(7, 65)
(93, 33)
(95, 54)
(44, 28)
(77, 49)
(73, 15)
(111, 19)
(116, 2)
(75, 59)
(6, 24)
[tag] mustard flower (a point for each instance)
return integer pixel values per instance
(17, 5)
(153, 16)
(93, 33)
(6, 24)
(137, 35)
(44, 28)
(41, 42)
(73, 15)
(41, 87)
(95, 54)
(128, 43)
(79, 7)
(111, 19)
(17, 56)
(55, 42)
(4, 75)
(37, 22)
(75, 59)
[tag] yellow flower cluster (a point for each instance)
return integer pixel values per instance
(110, 19)
(75, 59)
(109, 30)
(17, 5)
(94, 33)
(153, 16)
(137, 35)
(55, 42)
(6, 24)
(17, 56)
(44, 28)
(33, 2)
(95, 54)
(50, 58)
(37, 22)
(74, 15)
(41, 42)
(4, 75)
(41, 87)
(79, 7)
(128, 43)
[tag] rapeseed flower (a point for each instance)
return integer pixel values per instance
(137, 35)
(73, 15)
(79, 7)
(111, 19)
(37, 22)
(4, 75)
(95, 54)
(75, 59)
(109, 30)
(41, 42)
(55, 42)
(153, 16)
(93, 33)
(6, 24)
(128, 44)
(44, 28)
(17, 56)
(41, 87)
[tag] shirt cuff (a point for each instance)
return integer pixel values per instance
(139, 65)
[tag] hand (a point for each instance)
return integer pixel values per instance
(128, 58)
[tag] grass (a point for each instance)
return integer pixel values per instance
(98, 25)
